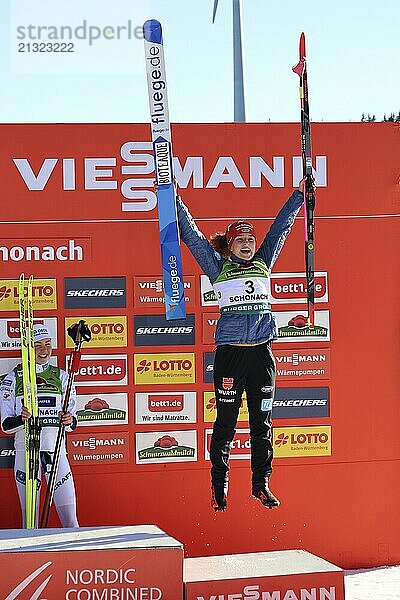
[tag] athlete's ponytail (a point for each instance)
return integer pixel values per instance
(220, 244)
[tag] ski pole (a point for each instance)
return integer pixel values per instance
(309, 189)
(79, 332)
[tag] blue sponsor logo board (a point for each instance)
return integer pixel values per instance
(156, 330)
(7, 452)
(209, 358)
(292, 403)
(95, 292)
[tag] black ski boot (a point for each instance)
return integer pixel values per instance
(218, 496)
(265, 496)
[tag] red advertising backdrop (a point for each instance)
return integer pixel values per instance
(74, 575)
(79, 213)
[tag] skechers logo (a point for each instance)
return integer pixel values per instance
(163, 330)
(155, 330)
(93, 292)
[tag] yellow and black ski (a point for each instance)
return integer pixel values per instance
(32, 426)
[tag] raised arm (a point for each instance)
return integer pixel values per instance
(210, 261)
(280, 229)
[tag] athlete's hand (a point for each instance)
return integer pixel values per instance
(155, 185)
(65, 418)
(25, 414)
(176, 187)
(303, 183)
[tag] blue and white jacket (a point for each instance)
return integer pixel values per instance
(240, 328)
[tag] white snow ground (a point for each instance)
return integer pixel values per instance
(381, 583)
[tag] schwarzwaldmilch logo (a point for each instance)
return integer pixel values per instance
(98, 409)
(297, 326)
(166, 446)
(209, 296)
(95, 292)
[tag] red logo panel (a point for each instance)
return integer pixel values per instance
(303, 363)
(149, 291)
(163, 403)
(210, 321)
(96, 448)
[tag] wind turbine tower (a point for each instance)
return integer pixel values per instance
(238, 83)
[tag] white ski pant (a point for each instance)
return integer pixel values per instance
(64, 492)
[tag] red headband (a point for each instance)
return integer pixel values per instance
(236, 229)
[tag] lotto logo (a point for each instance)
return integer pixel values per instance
(5, 292)
(281, 439)
(106, 328)
(302, 441)
(144, 365)
(164, 368)
(106, 332)
(43, 293)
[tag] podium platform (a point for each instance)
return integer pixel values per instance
(142, 562)
(90, 563)
(285, 575)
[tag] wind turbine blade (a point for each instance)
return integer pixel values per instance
(215, 9)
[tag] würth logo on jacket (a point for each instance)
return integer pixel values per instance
(227, 383)
(226, 390)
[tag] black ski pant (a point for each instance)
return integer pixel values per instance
(238, 369)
